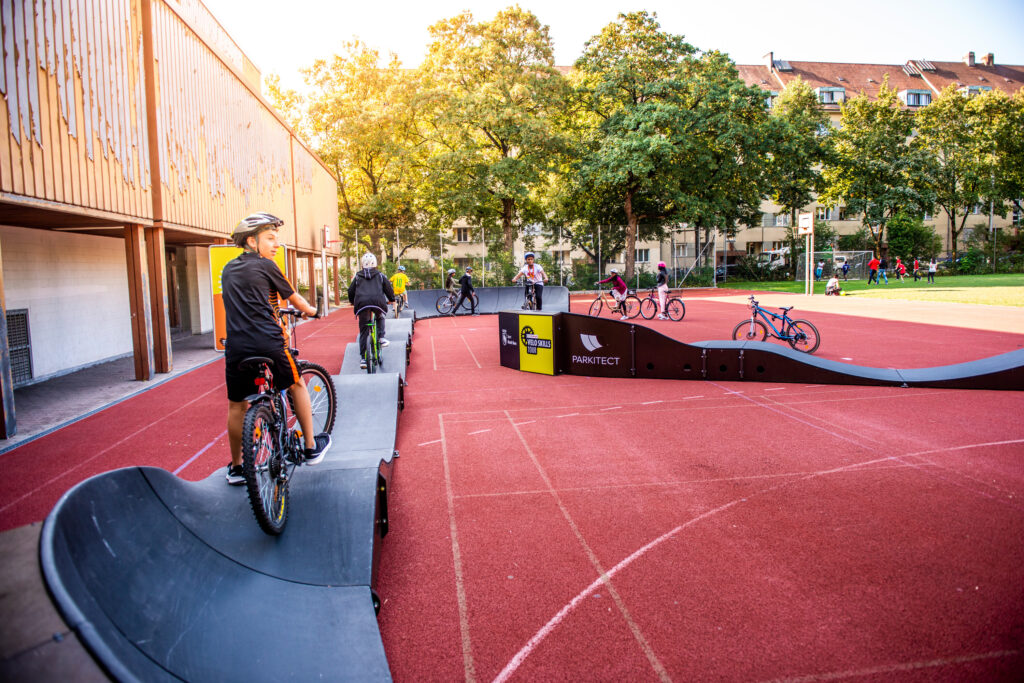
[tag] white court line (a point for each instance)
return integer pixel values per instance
(812, 386)
(613, 408)
(569, 415)
(427, 443)
(472, 355)
(647, 403)
(200, 452)
(481, 431)
(776, 389)
(460, 587)
(433, 352)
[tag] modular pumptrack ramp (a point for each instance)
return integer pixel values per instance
(423, 302)
(165, 579)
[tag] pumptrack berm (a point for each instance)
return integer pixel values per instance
(166, 580)
(422, 302)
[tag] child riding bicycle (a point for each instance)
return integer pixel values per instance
(398, 283)
(619, 290)
(369, 293)
(533, 272)
(253, 289)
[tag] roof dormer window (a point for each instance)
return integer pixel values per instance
(831, 95)
(972, 90)
(916, 98)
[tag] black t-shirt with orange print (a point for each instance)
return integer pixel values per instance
(254, 290)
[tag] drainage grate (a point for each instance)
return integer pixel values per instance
(19, 344)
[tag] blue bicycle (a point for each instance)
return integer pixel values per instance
(801, 335)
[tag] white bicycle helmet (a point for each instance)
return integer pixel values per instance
(369, 260)
(451, 271)
(613, 271)
(254, 224)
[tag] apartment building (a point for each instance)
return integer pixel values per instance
(136, 137)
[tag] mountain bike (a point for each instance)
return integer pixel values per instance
(373, 356)
(629, 306)
(446, 302)
(529, 296)
(272, 440)
(675, 309)
(801, 334)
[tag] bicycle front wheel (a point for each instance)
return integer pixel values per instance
(648, 308)
(676, 309)
(803, 336)
(750, 330)
(265, 469)
(631, 306)
(467, 306)
(444, 304)
(595, 308)
(322, 396)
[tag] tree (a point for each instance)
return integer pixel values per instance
(670, 135)
(909, 237)
(490, 89)
(957, 170)
(800, 129)
(871, 165)
(364, 123)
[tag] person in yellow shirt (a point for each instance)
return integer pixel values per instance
(398, 282)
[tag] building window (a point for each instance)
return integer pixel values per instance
(643, 255)
(1018, 217)
(916, 98)
(927, 216)
(753, 248)
(972, 90)
(681, 250)
(831, 95)
(461, 234)
(461, 263)
(976, 209)
(781, 220)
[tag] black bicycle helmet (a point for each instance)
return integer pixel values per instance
(254, 224)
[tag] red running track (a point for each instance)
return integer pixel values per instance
(577, 528)
(570, 528)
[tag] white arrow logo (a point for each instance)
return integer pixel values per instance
(590, 342)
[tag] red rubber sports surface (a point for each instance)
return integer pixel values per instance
(571, 528)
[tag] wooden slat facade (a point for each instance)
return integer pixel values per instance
(193, 148)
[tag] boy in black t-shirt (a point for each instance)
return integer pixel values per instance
(254, 289)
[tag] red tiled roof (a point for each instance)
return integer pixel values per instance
(1005, 77)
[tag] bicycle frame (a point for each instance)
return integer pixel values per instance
(609, 301)
(767, 316)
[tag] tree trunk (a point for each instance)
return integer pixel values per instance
(631, 223)
(507, 208)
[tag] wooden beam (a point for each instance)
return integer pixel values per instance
(138, 299)
(157, 263)
(8, 423)
(311, 260)
(337, 283)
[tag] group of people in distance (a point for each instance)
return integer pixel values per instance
(878, 270)
(620, 290)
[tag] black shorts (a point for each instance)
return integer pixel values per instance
(242, 383)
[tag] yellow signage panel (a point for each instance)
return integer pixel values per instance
(536, 350)
(220, 254)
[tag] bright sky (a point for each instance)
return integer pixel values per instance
(282, 37)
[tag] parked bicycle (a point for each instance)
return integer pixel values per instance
(675, 309)
(272, 440)
(801, 334)
(629, 306)
(446, 302)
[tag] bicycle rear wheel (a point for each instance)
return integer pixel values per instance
(444, 304)
(322, 395)
(631, 306)
(803, 336)
(467, 306)
(750, 330)
(266, 479)
(675, 309)
(595, 308)
(648, 308)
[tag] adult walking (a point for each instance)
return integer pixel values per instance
(883, 265)
(466, 282)
(662, 289)
(917, 269)
(873, 269)
(932, 267)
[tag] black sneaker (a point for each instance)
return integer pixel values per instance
(236, 475)
(323, 443)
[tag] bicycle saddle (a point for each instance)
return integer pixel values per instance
(785, 309)
(254, 363)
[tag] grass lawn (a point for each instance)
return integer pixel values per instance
(997, 290)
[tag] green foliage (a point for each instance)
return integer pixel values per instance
(872, 166)
(909, 237)
(757, 270)
(858, 241)
(490, 90)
